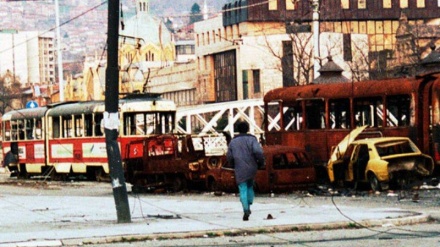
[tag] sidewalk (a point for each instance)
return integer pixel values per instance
(41, 220)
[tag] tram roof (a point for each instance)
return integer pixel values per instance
(25, 113)
(345, 90)
(75, 108)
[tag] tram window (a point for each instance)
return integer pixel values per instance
(398, 109)
(21, 129)
(78, 121)
(29, 127)
(273, 116)
(88, 125)
(339, 114)
(55, 127)
(315, 114)
(7, 130)
(368, 111)
(292, 117)
(134, 123)
(148, 123)
(167, 123)
(14, 130)
(38, 128)
(152, 123)
(98, 120)
(67, 126)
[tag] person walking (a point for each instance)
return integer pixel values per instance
(246, 155)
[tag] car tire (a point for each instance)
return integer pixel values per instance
(179, 184)
(374, 182)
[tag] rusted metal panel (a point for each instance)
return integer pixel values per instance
(287, 168)
(167, 161)
(344, 90)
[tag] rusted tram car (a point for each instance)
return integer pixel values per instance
(317, 117)
(67, 138)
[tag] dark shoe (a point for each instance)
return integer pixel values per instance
(246, 216)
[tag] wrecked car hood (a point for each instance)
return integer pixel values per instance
(340, 149)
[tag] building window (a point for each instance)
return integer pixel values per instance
(273, 4)
(403, 4)
(256, 78)
(290, 4)
(245, 84)
(420, 3)
(185, 49)
(387, 4)
(362, 4)
(225, 76)
(345, 4)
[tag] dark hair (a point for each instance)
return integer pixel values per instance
(243, 127)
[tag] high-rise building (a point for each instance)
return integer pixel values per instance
(28, 55)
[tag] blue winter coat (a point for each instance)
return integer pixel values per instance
(246, 154)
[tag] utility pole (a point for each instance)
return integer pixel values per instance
(111, 117)
(59, 54)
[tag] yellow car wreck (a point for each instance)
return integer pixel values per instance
(381, 162)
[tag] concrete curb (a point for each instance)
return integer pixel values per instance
(415, 219)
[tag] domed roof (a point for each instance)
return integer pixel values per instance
(146, 27)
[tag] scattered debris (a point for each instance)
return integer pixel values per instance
(164, 216)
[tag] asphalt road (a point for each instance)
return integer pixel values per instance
(425, 199)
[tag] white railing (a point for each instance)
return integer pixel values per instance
(212, 122)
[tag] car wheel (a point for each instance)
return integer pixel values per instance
(179, 184)
(374, 182)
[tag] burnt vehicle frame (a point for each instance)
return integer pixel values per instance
(167, 162)
(381, 162)
(286, 169)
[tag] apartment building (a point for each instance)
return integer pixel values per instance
(28, 55)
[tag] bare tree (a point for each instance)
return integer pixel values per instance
(360, 64)
(303, 56)
(10, 88)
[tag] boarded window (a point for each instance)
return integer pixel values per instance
(225, 76)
